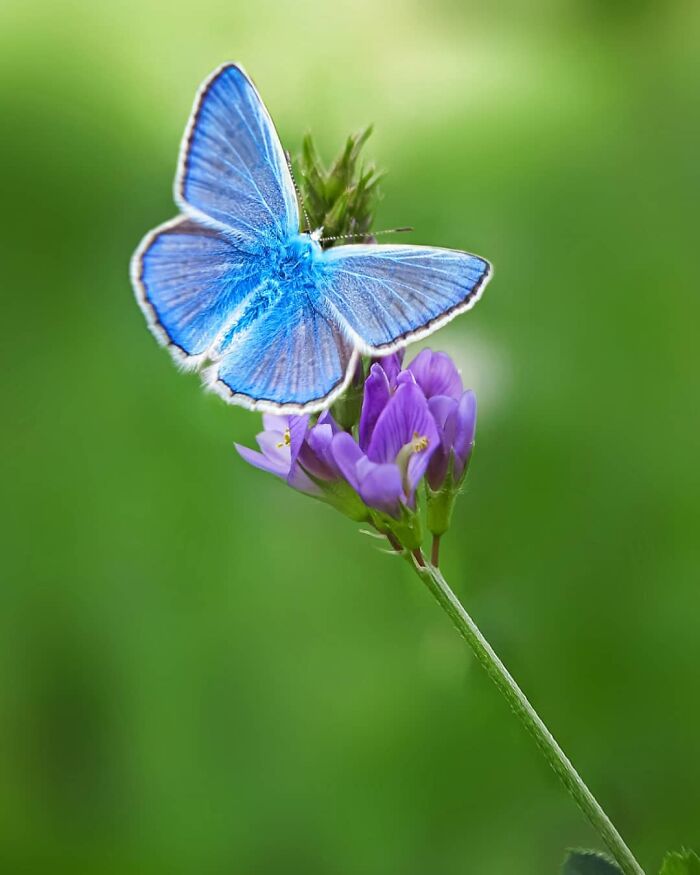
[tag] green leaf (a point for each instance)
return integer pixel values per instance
(589, 863)
(681, 863)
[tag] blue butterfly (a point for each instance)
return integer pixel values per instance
(233, 288)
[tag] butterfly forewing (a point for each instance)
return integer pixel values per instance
(390, 295)
(232, 167)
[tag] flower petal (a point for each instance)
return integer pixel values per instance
(297, 477)
(315, 454)
(297, 432)
(444, 412)
(391, 365)
(437, 468)
(319, 439)
(405, 417)
(326, 418)
(376, 397)
(363, 466)
(444, 409)
(381, 488)
(272, 422)
(274, 447)
(257, 460)
(465, 430)
(347, 454)
(436, 374)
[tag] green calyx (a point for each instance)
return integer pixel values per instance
(440, 505)
(342, 497)
(341, 199)
(347, 408)
(441, 502)
(407, 530)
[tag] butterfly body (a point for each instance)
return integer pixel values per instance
(286, 275)
(298, 262)
(234, 288)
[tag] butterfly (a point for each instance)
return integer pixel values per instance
(235, 290)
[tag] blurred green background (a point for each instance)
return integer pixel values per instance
(204, 672)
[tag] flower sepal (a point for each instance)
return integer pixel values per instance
(440, 502)
(340, 495)
(406, 529)
(347, 408)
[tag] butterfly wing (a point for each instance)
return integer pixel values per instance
(388, 296)
(190, 275)
(294, 357)
(189, 281)
(301, 353)
(206, 287)
(232, 169)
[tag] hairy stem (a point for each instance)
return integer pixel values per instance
(519, 703)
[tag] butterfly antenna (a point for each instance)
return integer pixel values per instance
(298, 191)
(369, 234)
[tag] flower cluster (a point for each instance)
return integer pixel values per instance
(415, 424)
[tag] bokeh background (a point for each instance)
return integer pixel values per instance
(204, 672)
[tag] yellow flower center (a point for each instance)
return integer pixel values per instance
(286, 439)
(420, 442)
(416, 445)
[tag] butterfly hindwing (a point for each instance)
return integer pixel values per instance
(293, 357)
(389, 295)
(232, 168)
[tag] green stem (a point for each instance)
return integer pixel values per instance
(517, 700)
(435, 553)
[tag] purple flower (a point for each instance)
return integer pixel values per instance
(391, 364)
(398, 450)
(385, 375)
(314, 454)
(436, 374)
(456, 425)
(453, 409)
(290, 449)
(414, 423)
